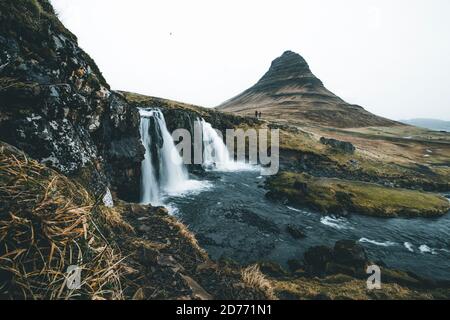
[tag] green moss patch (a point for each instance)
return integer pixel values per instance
(341, 196)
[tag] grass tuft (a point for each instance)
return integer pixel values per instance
(254, 278)
(46, 225)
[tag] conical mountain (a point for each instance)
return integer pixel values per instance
(290, 92)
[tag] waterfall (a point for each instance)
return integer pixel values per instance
(215, 153)
(162, 168)
(149, 186)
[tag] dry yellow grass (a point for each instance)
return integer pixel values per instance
(46, 225)
(187, 234)
(113, 218)
(254, 278)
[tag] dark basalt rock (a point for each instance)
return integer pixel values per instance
(341, 146)
(56, 106)
(347, 257)
(295, 232)
(317, 259)
(252, 219)
(349, 253)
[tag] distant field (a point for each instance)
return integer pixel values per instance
(432, 124)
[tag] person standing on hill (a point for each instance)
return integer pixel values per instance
(260, 115)
(256, 114)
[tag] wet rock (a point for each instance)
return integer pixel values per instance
(272, 269)
(252, 219)
(350, 253)
(347, 257)
(341, 146)
(317, 259)
(295, 265)
(295, 232)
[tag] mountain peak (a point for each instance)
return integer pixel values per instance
(291, 60)
(290, 92)
(290, 57)
(288, 69)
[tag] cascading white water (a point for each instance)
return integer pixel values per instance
(149, 182)
(215, 153)
(162, 169)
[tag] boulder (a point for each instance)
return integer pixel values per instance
(295, 232)
(347, 257)
(350, 253)
(317, 259)
(341, 146)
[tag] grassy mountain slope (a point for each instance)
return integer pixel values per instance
(290, 93)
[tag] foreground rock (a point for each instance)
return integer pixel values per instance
(340, 273)
(346, 257)
(56, 105)
(343, 196)
(295, 232)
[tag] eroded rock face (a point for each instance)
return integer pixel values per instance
(56, 106)
(338, 145)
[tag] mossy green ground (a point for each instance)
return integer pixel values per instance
(331, 195)
(343, 287)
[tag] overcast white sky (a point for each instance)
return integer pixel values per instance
(391, 57)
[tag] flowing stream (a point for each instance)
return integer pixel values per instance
(227, 209)
(233, 219)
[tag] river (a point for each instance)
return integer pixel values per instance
(232, 218)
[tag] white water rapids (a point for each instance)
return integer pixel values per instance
(162, 170)
(215, 153)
